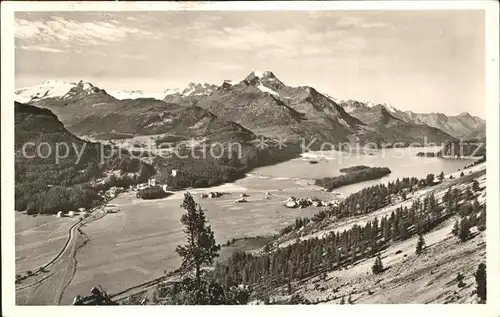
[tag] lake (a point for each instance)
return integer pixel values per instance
(143, 235)
(402, 162)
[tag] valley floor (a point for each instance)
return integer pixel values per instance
(143, 236)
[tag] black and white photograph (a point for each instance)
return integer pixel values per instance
(223, 154)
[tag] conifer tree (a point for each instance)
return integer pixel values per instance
(480, 277)
(200, 248)
(475, 186)
(481, 221)
(420, 244)
(378, 267)
(464, 230)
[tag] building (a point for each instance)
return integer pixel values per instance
(152, 182)
(71, 213)
(59, 214)
(174, 173)
(81, 209)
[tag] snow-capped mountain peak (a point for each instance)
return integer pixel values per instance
(388, 107)
(83, 88)
(172, 91)
(334, 99)
(135, 94)
(263, 74)
(265, 81)
(192, 89)
(48, 89)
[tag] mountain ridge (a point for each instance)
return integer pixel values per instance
(260, 103)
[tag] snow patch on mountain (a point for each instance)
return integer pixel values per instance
(83, 88)
(192, 89)
(390, 107)
(48, 89)
(334, 99)
(172, 91)
(344, 123)
(371, 104)
(135, 94)
(265, 89)
(259, 73)
(189, 92)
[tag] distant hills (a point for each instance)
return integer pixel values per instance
(260, 104)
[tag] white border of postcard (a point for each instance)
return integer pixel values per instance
(492, 308)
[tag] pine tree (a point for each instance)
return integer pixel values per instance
(289, 287)
(468, 194)
(441, 176)
(378, 267)
(475, 186)
(480, 276)
(460, 280)
(481, 221)
(349, 300)
(420, 244)
(429, 179)
(464, 230)
(200, 247)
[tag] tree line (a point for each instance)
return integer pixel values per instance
(364, 201)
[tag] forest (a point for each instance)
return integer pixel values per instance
(313, 256)
(49, 188)
(354, 168)
(354, 175)
(194, 169)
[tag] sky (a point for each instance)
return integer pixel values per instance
(423, 61)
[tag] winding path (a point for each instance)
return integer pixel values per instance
(49, 286)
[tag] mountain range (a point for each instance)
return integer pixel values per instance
(260, 104)
(461, 126)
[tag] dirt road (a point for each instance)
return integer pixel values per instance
(47, 287)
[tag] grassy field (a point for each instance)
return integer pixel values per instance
(39, 239)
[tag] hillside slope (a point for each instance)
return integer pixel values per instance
(331, 256)
(54, 168)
